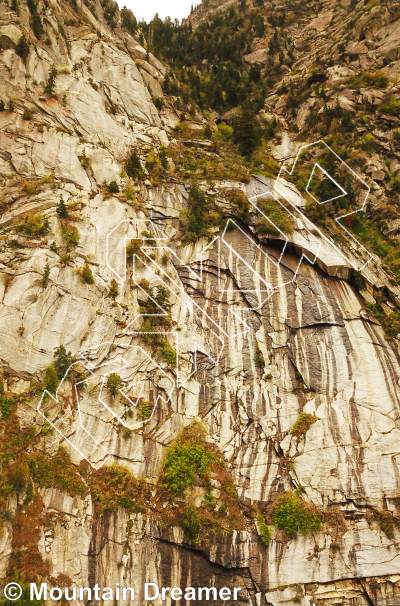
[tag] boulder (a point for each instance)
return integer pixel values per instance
(9, 36)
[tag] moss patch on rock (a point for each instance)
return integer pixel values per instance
(303, 424)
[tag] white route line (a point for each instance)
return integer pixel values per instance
(344, 192)
(98, 444)
(337, 219)
(194, 309)
(46, 393)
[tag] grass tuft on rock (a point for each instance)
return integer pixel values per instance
(115, 487)
(34, 225)
(303, 424)
(86, 274)
(276, 218)
(386, 521)
(57, 472)
(259, 358)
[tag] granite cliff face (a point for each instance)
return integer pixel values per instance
(312, 347)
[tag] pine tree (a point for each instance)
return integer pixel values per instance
(128, 20)
(51, 379)
(163, 156)
(86, 274)
(22, 48)
(133, 168)
(62, 210)
(51, 82)
(255, 73)
(113, 292)
(114, 383)
(247, 131)
(36, 21)
(46, 273)
(63, 361)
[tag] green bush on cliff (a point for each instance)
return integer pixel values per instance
(57, 472)
(392, 108)
(200, 215)
(146, 409)
(71, 236)
(25, 599)
(188, 456)
(133, 167)
(115, 487)
(265, 531)
(292, 514)
(114, 291)
(390, 323)
(114, 384)
(183, 463)
(34, 225)
(51, 379)
(168, 354)
(241, 204)
(190, 522)
(386, 520)
(6, 402)
(369, 80)
(281, 220)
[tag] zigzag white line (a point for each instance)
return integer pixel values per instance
(217, 331)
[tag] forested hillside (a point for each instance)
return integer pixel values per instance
(258, 70)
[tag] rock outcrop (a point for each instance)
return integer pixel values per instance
(323, 352)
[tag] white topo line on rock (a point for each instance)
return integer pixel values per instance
(218, 332)
(344, 193)
(95, 448)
